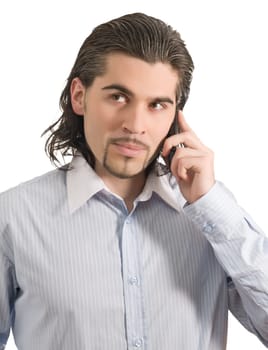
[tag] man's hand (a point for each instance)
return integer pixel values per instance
(192, 165)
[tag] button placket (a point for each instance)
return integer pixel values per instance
(131, 278)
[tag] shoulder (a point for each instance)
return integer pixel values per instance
(33, 190)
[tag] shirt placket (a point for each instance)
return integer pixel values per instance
(132, 281)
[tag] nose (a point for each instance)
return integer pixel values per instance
(135, 120)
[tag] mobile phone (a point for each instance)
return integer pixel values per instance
(174, 129)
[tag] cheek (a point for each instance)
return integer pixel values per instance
(101, 119)
(93, 134)
(97, 130)
(161, 133)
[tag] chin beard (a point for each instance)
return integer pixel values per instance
(126, 172)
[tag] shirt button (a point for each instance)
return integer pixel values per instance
(208, 227)
(137, 343)
(133, 280)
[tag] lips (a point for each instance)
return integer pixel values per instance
(129, 149)
(131, 146)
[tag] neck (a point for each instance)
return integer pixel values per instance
(128, 189)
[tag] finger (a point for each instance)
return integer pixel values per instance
(187, 152)
(186, 158)
(184, 126)
(188, 139)
(187, 167)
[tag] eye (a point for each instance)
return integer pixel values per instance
(158, 105)
(119, 98)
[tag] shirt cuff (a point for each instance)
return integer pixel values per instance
(217, 213)
(238, 243)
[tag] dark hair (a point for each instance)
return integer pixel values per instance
(137, 35)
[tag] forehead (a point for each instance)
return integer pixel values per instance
(141, 77)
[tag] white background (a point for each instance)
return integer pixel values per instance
(227, 108)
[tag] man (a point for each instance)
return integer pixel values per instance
(105, 253)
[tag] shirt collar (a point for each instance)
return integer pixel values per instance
(166, 188)
(83, 183)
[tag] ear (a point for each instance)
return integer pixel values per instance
(78, 92)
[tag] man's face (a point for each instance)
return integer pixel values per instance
(127, 113)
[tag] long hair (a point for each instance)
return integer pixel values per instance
(137, 35)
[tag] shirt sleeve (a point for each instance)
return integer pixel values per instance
(7, 286)
(242, 250)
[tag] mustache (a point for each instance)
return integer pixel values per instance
(130, 140)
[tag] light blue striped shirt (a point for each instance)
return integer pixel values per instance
(79, 272)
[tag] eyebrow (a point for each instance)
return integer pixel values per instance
(126, 91)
